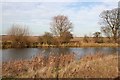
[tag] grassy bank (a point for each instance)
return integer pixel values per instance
(69, 45)
(91, 45)
(63, 66)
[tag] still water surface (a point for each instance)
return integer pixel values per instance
(28, 53)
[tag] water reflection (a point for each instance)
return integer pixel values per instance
(27, 53)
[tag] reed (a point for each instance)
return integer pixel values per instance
(63, 66)
(76, 44)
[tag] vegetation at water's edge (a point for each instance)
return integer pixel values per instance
(75, 42)
(63, 66)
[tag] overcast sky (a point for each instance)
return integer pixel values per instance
(38, 15)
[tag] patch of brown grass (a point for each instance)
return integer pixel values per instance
(63, 66)
(93, 66)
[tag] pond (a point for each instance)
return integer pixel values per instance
(28, 53)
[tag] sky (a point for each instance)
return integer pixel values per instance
(37, 15)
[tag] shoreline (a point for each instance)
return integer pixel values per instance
(84, 45)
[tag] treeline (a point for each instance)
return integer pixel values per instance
(61, 32)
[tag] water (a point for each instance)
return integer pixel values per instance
(28, 53)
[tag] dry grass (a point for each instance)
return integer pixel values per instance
(97, 66)
(63, 66)
(99, 44)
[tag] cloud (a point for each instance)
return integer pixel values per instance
(59, 0)
(38, 15)
(40, 0)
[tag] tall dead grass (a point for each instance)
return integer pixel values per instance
(63, 66)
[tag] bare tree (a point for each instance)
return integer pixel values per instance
(97, 37)
(65, 37)
(110, 23)
(97, 34)
(19, 35)
(40, 39)
(47, 38)
(86, 39)
(61, 24)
